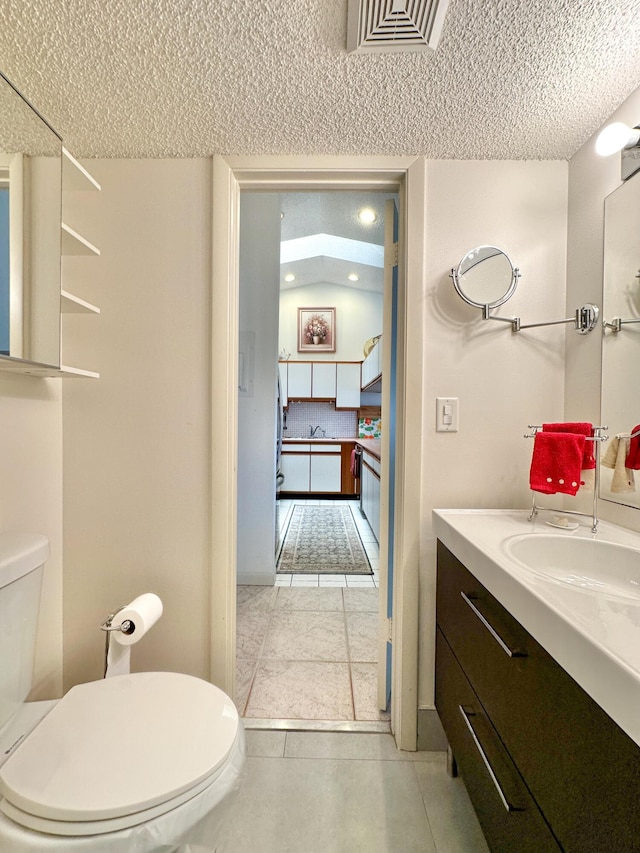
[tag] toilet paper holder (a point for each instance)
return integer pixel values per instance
(127, 627)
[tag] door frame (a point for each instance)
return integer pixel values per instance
(407, 176)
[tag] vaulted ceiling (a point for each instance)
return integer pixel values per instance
(510, 79)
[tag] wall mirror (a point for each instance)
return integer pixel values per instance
(621, 342)
(30, 216)
(485, 277)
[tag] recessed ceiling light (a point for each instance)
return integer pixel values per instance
(354, 277)
(367, 215)
(289, 277)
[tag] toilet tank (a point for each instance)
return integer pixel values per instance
(22, 558)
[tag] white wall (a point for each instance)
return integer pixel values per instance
(31, 501)
(503, 380)
(591, 180)
(136, 442)
(358, 318)
(258, 316)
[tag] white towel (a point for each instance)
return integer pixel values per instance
(623, 479)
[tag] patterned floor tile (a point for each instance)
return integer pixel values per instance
(305, 635)
(301, 690)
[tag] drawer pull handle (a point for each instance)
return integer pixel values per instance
(513, 653)
(466, 714)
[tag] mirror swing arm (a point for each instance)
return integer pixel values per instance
(584, 320)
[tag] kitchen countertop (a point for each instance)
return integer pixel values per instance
(593, 636)
(371, 445)
(318, 440)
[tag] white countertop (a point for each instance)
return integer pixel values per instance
(594, 637)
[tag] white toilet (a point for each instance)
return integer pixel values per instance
(138, 762)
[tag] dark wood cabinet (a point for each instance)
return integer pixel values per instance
(554, 747)
(350, 485)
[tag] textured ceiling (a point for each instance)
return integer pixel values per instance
(163, 78)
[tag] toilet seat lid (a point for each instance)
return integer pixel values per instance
(122, 745)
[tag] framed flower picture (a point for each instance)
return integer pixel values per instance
(316, 329)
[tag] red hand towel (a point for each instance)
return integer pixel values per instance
(585, 429)
(355, 464)
(633, 456)
(556, 463)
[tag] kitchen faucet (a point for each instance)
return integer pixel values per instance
(314, 429)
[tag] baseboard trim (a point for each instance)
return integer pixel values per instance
(431, 736)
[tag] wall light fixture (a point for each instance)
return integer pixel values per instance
(620, 137)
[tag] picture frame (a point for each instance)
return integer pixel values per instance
(319, 320)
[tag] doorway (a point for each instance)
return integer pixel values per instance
(286, 173)
(308, 652)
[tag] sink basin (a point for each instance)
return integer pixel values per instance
(589, 564)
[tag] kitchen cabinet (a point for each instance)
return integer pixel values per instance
(299, 380)
(284, 383)
(546, 768)
(318, 467)
(325, 473)
(312, 468)
(323, 380)
(348, 385)
(372, 367)
(370, 490)
(295, 468)
(350, 485)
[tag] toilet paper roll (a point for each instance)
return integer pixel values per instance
(118, 660)
(143, 612)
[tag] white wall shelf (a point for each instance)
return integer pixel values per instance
(74, 175)
(75, 244)
(34, 368)
(75, 178)
(71, 304)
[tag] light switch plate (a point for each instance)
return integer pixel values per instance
(447, 414)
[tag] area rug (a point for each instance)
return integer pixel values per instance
(322, 540)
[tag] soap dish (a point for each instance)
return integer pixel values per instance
(563, 523)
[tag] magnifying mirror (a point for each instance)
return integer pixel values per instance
(485, 277)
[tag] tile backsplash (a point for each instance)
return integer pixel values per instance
(301, 416)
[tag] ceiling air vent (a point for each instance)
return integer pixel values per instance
(388, 26)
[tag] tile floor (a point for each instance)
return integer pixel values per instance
(309, 792)
(307, 648)
(307, 651)
(307, 654)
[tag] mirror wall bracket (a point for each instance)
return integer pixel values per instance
(584, 320)
(617, 323)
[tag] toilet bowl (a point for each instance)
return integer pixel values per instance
(142, 762)
(142, 757)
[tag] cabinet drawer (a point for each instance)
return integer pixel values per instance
(581, 768)
(509, 817)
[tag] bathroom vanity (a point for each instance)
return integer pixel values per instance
(537, 678)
